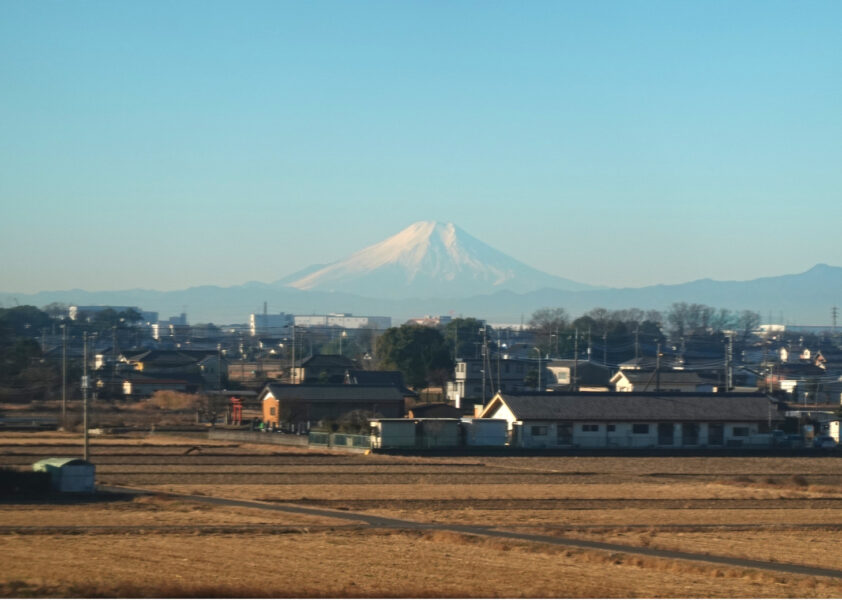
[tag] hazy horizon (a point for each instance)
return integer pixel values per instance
(621, 144)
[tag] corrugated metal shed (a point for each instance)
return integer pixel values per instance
(68, 474)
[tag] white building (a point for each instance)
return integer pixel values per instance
(628, 420)
(343, 320)
(272, 325)
(74, 312)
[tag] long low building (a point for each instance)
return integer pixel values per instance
(306, 404)
(635, 420)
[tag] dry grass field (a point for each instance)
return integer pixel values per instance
(784, 511)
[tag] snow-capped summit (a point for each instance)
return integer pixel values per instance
(429, 259)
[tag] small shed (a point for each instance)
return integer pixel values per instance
(439, 433)
(392, 433)
(486, 432)
(68, 474)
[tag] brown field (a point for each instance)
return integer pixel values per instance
(777, 510)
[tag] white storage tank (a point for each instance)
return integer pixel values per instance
(486, 432)
(68, 474)
(392, 433)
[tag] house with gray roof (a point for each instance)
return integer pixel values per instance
(635, 420)
(304, 405)
(638, 380)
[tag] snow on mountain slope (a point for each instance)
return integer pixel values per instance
(430, 259)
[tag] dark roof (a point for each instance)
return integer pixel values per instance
(332, 393)
(569, 362)
(139, 379)
(799, 370)
(393, 378)
(636, 376)
(325, 361)
(646, 362)
(587, 373)
(436, 410)
(641, 407)
(359, 377)
(170, 358)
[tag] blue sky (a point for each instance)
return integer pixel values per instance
(163, 145)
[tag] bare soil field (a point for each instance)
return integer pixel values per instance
(786, 511)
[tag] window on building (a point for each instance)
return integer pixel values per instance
(272, 411)
(611, 428)
(640, 428)
(539, 430)
(740, 431)
(590, 427)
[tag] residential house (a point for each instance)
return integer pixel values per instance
(142, 386)
(466, 388)
(323, 368)
(795, 354)
(635, 420)
(787, 377)
(361, 377)
(558, 374)
(304, 405)
(662, 381)
(148, 371)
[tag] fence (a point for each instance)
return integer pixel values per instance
(258, 437)
(340, 440)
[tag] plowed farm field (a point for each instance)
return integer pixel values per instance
(186, 517)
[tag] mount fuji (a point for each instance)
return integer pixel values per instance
(428, 259)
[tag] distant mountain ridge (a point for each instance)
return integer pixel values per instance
(434, 268)
(429, 259)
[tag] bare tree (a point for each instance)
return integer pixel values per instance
(547, 322)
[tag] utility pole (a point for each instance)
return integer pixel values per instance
(85, 393)
(64, 376)
(834, 313)
(292, 365)
(538, 350)
(219, 367)
(483, 357)
(113, 362)
(727, 364)
(730, 372)
(605, 348)
(658, 370)
(576, 361)
(499, 389)
(589, 343)
(636, 344)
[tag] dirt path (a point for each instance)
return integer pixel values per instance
(388, 523)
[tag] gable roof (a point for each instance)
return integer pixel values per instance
(393, 378)
(170, 358)
(641, 377)
(332, 393)
(636, 407)
(328, 361)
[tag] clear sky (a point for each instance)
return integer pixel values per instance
(170, 144)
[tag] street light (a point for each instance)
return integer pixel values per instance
(538, 350)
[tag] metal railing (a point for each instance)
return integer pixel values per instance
(340, 440)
